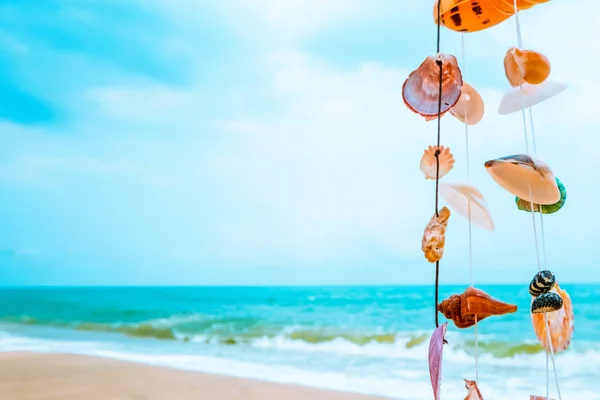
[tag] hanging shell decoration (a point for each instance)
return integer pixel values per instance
(474, 393)
(532, 94)
(545, 209)
(436, 348)
(525, 176)
(560, 323)
(532, 397)
(421, 90)
(546, 302)
(470, 107)
(525, 66)
(467, 201)
(542, 283)
(463, 309)
(429, 164)
(434, 237)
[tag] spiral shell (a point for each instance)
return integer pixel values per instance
(429, 165)
(421, 89)
(543, 208)
(522, 66)
(542, 283)
(546, 302)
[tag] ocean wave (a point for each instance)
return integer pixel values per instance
(198, 328)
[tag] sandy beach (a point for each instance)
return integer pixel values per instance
(41, 376)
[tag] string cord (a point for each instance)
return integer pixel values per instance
(519, 41)
(462, 39)
(437, 159)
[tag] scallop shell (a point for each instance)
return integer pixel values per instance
(542, 283)
(465, 200)
(429, 165)
(522, 66)
(560, 323)
(546, 303)
(525, 176)
(532, 94)
(545, 209)
(469, 108)
(420, 91)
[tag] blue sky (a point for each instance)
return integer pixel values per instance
(266, 142)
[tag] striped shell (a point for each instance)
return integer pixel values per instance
(546, 302)
(542, 283)
(545, 209)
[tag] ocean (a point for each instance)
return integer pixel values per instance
(368, 339)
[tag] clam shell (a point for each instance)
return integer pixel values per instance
(436, 348)
(525, 176)
(542, 283)
(420, 91)
(469, 108)
(545, 209)
(464, 198)
(532, 95)
(429, 165)
(522, 66)
(546, 302)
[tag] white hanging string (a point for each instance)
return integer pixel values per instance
(462, 39)
(519, 41)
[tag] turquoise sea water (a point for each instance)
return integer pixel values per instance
(364, 339)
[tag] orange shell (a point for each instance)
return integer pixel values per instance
(525, 66)
(561, 323)
(463, 309)
(474, 393)
(429, 165)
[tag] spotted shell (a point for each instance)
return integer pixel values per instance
(542, 208)
(546, 302)
(542, 283)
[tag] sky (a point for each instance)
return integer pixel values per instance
(263, 142)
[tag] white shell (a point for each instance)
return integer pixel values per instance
(465, 199)
(532, 94)
(525, 176)
(429, 165)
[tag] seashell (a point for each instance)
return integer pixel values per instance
(436, 348)
(545, 209)
(532, 397)
(522, 66)
(459, 15)
(420, 91)
(532, 94)
(525, 176)
(469, 108)
(465, 200)
(473, 303)
(429, 165)
(434, 237)
(474, 393)
(541, 283)
(560, 323)
(546, 303)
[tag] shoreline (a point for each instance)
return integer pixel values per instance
(31, 375)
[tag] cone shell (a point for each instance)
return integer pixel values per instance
(468, 201)
(522, 66)
(542, 283)
(532, 94)
(429, 163)
(469, 108)
(560, 323)
(420, 91)
(525, 176)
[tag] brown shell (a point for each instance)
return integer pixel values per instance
(434, 237)
(473, 303)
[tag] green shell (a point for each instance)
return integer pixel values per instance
(545, 209)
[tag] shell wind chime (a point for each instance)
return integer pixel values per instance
(437, 87)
